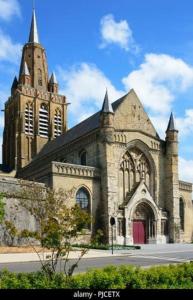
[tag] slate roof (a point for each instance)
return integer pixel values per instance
(107, 106)
(25, 70)
(171, 125)
(76, 132)
(33, 36)
(53, 78)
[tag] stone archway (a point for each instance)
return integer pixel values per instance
(143, 224)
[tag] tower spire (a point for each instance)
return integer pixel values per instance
(33, 37)
(25, 70)
(171, 124)
(107, 107)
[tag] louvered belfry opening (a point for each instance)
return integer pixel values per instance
(43, 120)
(29, 119)
(57, 123)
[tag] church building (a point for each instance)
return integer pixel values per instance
(115, 162)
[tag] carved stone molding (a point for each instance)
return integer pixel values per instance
(75, 170)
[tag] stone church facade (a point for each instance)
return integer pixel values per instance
(114, 161)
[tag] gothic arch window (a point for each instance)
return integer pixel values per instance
(83, 158)
(134, 167)
(43, 120)
(57, 123)
(29, 120)
(181, 210)
(39, 77)
(83, 199)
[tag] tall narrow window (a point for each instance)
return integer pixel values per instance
(83, 199)
(83, 158)
(181, 203)
(39, 77)
(43, 120)
(29, 121)
(57, 123)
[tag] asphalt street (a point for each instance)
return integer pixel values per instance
(147, 256)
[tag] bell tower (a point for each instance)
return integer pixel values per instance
(35, 113)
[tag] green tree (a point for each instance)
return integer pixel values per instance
(59, 223)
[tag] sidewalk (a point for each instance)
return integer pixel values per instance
(27, 257)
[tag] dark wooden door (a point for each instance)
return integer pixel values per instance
(139, 232)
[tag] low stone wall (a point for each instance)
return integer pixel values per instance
(19, 216)
(13, 212)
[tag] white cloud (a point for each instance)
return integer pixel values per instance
(186, 169)
(160, 123)
(84, 86)
(9, 51)
(119, 33)
(9, 8)
(183, 124)
(157, 81)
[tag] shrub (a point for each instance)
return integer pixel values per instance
(111, 277)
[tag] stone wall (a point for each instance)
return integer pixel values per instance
(11, 187)
(186, 195)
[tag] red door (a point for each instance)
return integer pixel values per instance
(139, 232)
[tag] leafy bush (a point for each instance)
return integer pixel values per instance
(111, 277)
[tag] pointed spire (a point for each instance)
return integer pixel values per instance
(107, 107)
(33, 37)
(25, 70)
(15, 83)
(53, 79)
(171, 124)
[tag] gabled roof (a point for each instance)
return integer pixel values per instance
(130, 195)
(81, 129)
(74, 133)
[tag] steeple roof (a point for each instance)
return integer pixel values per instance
(15, 83)
(171, 124)
(107, 107)
(53, 79)
(25, 70)
(33, 37)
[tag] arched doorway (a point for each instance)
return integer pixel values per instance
(143, 224)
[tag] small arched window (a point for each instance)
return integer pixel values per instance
(39, 77)
(83, 157)
(57, 123)
(181, 209)
(43, 120)
(29, 121)
(83, 199)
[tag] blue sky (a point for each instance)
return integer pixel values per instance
(91, 45)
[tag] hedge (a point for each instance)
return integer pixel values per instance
(125, 277)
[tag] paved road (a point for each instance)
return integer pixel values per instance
(147, 256)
